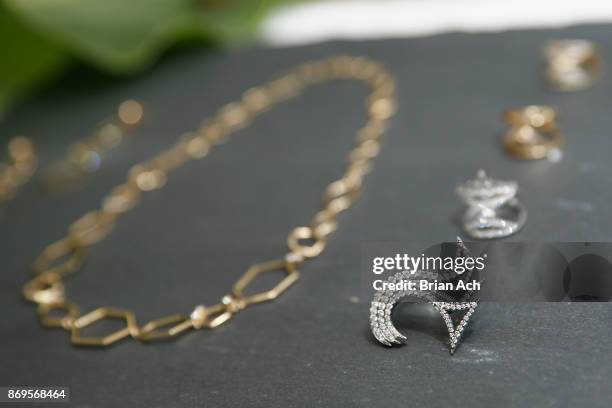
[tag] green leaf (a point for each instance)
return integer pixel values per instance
(39, 37)
(27, 60)
(122, 36)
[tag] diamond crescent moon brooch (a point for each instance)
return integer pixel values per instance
(446, 304)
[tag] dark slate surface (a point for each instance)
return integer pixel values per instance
(187, 243)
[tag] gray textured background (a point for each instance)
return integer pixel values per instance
(187, 243)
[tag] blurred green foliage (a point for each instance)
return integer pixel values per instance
(39, 39)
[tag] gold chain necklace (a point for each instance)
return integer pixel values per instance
(19, 168)
(67, 255)
(82, 158)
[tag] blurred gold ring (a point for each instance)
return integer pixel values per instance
(533, 133)
(526, 142)
(537, 116)
(572, 65)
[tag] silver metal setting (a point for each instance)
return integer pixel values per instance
(493, 211)
(384, 302)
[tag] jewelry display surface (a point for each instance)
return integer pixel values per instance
(312, 347)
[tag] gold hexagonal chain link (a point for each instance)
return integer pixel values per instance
(67, 255)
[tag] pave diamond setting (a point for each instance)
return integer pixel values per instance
(455, 332)
(488, 203)
(384, 301)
